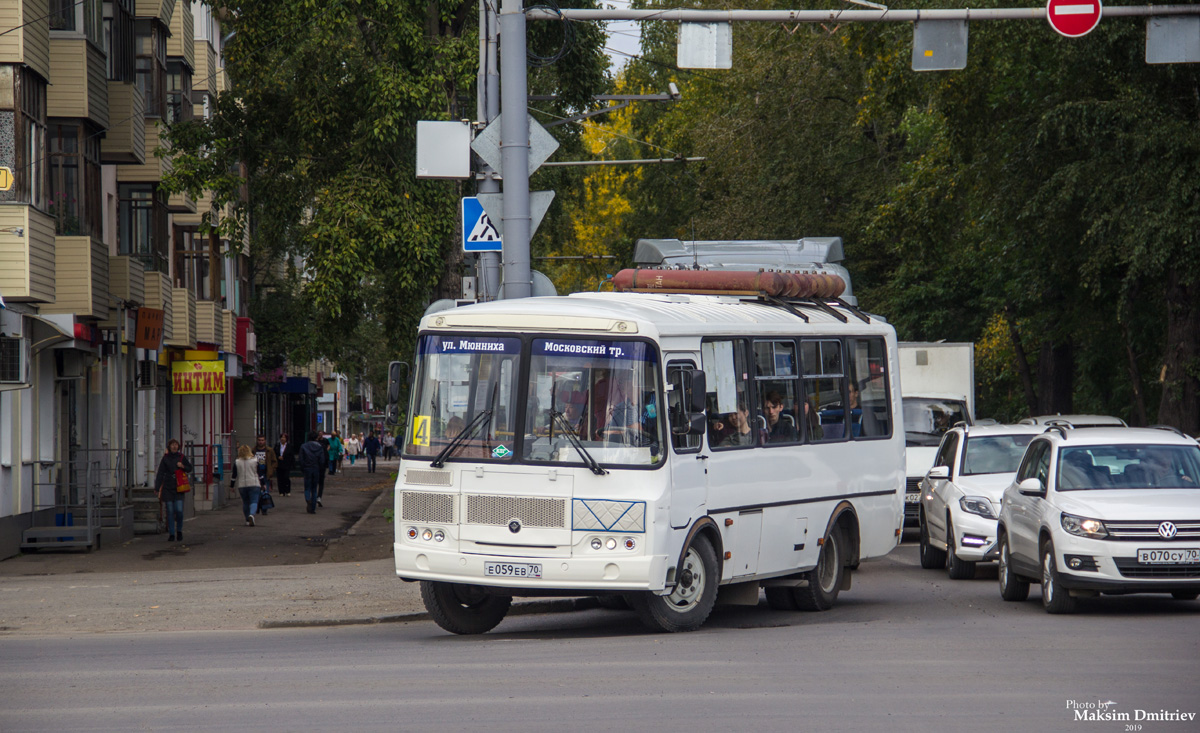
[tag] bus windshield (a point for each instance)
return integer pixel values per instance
(465, 391)
(601, 395)
(586, 401)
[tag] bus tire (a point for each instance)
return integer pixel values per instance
(825, 580)
(931, 557)
(782, 599)
(463, 609)
(687, 607)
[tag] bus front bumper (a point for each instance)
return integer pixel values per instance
(618, 573)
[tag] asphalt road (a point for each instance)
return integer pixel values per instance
(904, 650)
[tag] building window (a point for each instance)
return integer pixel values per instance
(179, 92)
(152, 66)
(23, 134)
(198, 263)
(74, 16)
(120, 38)
(142, 223)
(75, 186)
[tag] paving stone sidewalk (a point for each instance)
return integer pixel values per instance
(334, 566)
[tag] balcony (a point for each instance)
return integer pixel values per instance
(183, 315)
(125, 141)
(210, 326)
(26, 38)
(81, 278)
(229, 321)
(80, 83)
(27, 260)
(181, 44)
(181, 203)
(162, 9)
(204, 79)
(155, 167)
(126, 281)
(200, 207)
(159, 295)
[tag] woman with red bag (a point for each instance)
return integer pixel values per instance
(172, 474)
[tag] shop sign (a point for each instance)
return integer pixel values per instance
(198, 377)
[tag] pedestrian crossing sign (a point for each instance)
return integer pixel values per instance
(480, 234)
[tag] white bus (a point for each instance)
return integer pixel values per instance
(650, 446)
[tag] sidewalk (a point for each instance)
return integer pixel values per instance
(292, 568)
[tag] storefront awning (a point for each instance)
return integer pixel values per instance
(46, 333)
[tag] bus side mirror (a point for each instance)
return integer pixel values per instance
(397, 371)
(697, 425)
(697, 391)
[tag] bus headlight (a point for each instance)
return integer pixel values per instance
(439, 535)
(596, 543)
(412, 533)
(427, 535)
(630, 543)
(611, 543)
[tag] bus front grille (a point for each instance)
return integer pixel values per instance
(529, 511)
(424, 506)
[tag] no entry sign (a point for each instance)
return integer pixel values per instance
(1073, 18)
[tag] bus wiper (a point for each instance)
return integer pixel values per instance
(565, 427)
(460, 439)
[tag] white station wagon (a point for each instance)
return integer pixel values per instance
(1102, 510)
(960, 494)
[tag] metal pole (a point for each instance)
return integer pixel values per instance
(488, 287)
(514, 151)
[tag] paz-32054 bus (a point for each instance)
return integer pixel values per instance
(654, 446)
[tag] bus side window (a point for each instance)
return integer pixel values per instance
(678, 398)
(776, 381)
(730, 402)
(824, 389)
(868, 389)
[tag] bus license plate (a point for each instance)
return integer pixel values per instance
(513, 569)
(1181, 556)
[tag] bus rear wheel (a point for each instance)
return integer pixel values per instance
(463, 609)
(691, 601)
(825, 580)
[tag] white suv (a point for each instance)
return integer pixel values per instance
(1102, 510)
(960, 494)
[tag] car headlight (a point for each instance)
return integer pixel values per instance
(977, 505)
(1084, 527)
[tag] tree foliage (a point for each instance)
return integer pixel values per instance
(313, 147)
(1042, 202)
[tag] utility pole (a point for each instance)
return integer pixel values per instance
(488, 109)
(514, 151)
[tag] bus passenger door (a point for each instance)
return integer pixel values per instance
(688, 461)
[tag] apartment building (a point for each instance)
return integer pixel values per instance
(123, 325)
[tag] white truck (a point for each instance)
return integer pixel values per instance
(937, 387)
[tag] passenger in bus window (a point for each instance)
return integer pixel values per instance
(779, 429)
(815, 431)
(742, 433)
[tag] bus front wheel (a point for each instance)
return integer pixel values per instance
(825, 580)
(692, 599)
(463, 609)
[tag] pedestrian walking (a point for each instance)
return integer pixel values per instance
(353, 447)
(312, 459)
(246, 477)
(389, 445)
(166, 481)
(268, 465)
(335, 452)
(285, 461)
(371, 448)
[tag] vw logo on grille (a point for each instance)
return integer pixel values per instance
(515, 526)
(1167, 530)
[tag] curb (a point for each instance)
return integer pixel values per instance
(526, 608)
